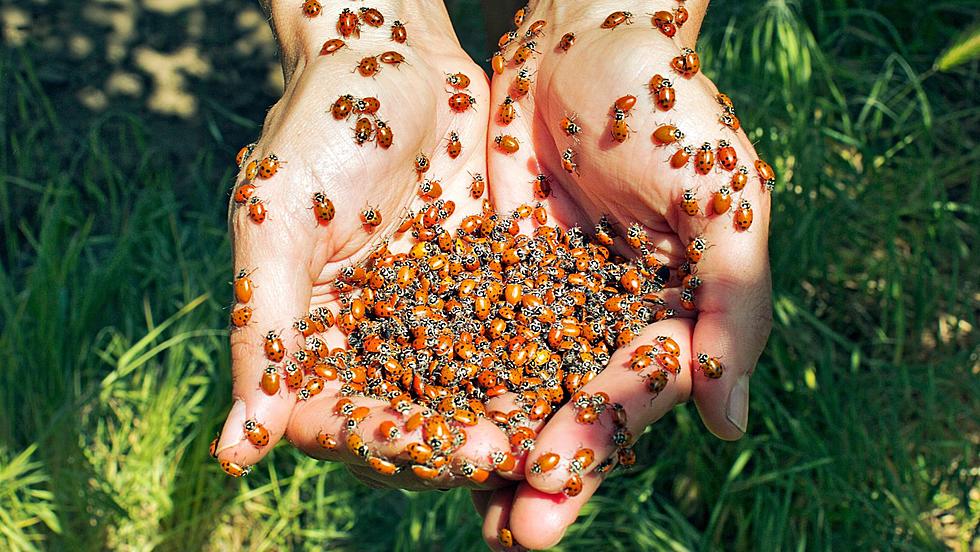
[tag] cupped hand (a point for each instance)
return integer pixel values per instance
(594, 173)
(293, 254)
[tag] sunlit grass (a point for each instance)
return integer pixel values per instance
(114, 267)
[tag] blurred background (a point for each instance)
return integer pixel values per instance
(120, 123)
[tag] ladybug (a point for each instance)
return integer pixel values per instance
(664, 95)
(743, 215)
(244, 192)
(506, 38)
(367, 106)
(269, 166)
(274, 349)
(681, 157)
(536, 29)
(256, 210)
(419, 453)
(244, 154)
(425, 472)
(689, 203)
(270, 380)
(667, 134)
(540, 214)
(507, 144)
(257, 434)
(657, 382)
(382, 466)
(391, 58)
(331, 46)
(766, 174)
(710, 366)
(371, 217)
(524, 52)
(545, 463)
(541, 187)
(348, 24)
(695, 249)
(243, 286)
(572, 487)
(620, 130)
(477, 186)
(429, 190)
(739, 179)
(383, 135)
(363, 131)
(459, 81)
(727, 157)
(567, 41)
(625, 103)
(570, 127)
(725, 102)
(616, 19)
(704, 161)
(372, 17)
(505, 537)
(357, 446)
(506, 112)
(721, 200)
(568, 161)
(342, 108)
(326, 440)
(474, 473)
(454, 147)
(681, 16)
(241, 316)
(497, 62)
(233, 469)
(503, 461)
(460, 102)
(252, 170)
(213, 447)
(522, 82)
(687, 299)
(294, 376)
(730, 121)
(312, 8)
(421, 164)
(323, 208)
(687, 64)
(519, 16)
(398, 33)
(368, 67)
(584, 458)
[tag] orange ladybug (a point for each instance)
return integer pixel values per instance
(506, 112)
(331, 46)
(391, 58)
(681, 157)
(241, 316)
(681, 16)
(524, 52)
(497, 62)
(687, 64)
(371, 217)
(382, 466)
(730, 121)
(567, 41)
(507, 144)
(368, 66)
(341, 109)
(252, 169)
(522, 82)
(568, 161)
(244, 154)
(421, 164)
(323, 208)
(348, 24)
(570, 127)
(459, 81)
(519, 16)
(766, 174)
(243, 286)
(398, 32)
(667, 134)
(572, 487)
(616, 19)
(505, 537)
(743, 215)
(664, 95)
(269, 166)
(274, 349)
(620, 130)
(704, 161)
(312, 8)
(721, 200)
(657, 381)
(541, 187)
(454, 147)
(372, 17)
(367, 106)
(460, 102)
(695, 249)
(727, 156)
(256, 210)
(429, 190)
(233, 469)
(257, 434)
(477, 186)
(383, 136)
(270, 380)
(739, 179)
(244, 193)
(710, 366)
(536, 29)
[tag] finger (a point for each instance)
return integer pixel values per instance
(569, 450)
(496, 532)
(539, 520)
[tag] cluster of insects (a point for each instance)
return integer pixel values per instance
(472, 313)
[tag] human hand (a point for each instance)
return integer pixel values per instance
(632, 181)
(291, 258)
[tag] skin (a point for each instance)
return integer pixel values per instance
(628, 182)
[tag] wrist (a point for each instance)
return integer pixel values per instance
(300, 37)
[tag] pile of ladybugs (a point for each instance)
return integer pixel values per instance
(473, 313)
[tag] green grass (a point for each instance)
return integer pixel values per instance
(113, 276)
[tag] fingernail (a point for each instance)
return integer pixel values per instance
(737, 410)
(236, 417)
